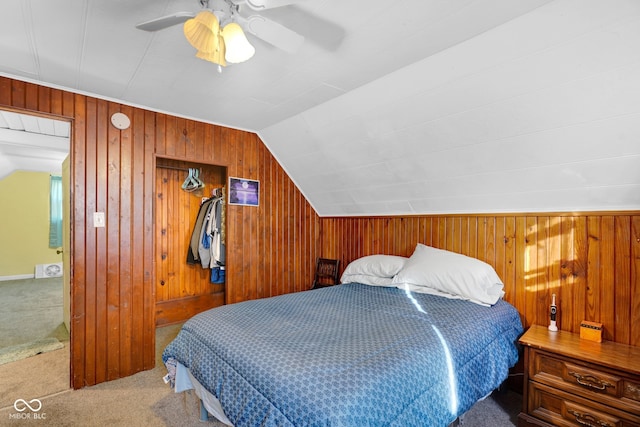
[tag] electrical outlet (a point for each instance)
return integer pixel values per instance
(98, 219)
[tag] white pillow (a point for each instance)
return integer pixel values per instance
(367, 280)
(376, 265)
(451, 273)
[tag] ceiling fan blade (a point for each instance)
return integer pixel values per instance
(268, 4)
(165, 21)
(273, 33)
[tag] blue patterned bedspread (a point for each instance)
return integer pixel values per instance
(349, 355)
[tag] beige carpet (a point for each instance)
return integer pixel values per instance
(33, 377)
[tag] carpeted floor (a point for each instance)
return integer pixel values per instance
(142, 399)
(30, 349)
(31, 309)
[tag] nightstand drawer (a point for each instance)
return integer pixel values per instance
(588, 381)
(563, 409)
(632, 390)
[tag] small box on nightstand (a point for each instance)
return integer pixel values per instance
(591, 331)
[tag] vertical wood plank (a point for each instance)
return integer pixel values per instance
(510, 264)
(148, 285)
(607, 274)
(56, 103)
(18, 90)
(520, 255)
(634, 281)
(592, 300)
(113, 242)
(500, 265)
(579, 271)
(44, 99)
(482, 239)
(31, 97)
(5, 91)
(553, 264)
(125, 261)
(622, 279)
(543, 298)
(92, 293)
(137, 241)
(80, 306)
(99, 169)
(530, 268)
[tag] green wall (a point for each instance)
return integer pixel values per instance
(24, 223)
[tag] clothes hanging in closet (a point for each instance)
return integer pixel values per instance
(192, 254)
(207, 245)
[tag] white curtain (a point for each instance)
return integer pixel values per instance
(55, 212)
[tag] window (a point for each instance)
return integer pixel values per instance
(55, 212)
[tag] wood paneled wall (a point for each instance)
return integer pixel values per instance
(271, 248)
(590, 261)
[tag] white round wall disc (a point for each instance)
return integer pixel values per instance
(120, 120)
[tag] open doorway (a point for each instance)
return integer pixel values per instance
(33, 148)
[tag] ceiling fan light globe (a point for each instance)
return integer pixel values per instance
(217, 56)
(238, 48)
(202, 31)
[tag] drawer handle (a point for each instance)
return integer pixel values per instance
(589, 420)
(634, 391)
(591, 381)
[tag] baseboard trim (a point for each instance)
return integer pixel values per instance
(17, 277)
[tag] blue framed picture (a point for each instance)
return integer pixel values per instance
(244, 192)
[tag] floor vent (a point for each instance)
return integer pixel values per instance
(48, 270)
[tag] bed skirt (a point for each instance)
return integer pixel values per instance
(185, 381)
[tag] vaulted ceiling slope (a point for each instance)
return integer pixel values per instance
(404, 107)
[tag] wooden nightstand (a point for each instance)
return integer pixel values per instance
(573, 382)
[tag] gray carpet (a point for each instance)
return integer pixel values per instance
(501, 409)
(31, 310)
(30, 349)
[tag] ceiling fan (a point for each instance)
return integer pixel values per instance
(216, 31)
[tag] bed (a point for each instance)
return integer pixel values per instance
(355, 354)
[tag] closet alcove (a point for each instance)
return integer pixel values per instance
(182, 289)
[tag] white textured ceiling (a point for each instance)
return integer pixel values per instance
(32, 143)
(390, 107)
